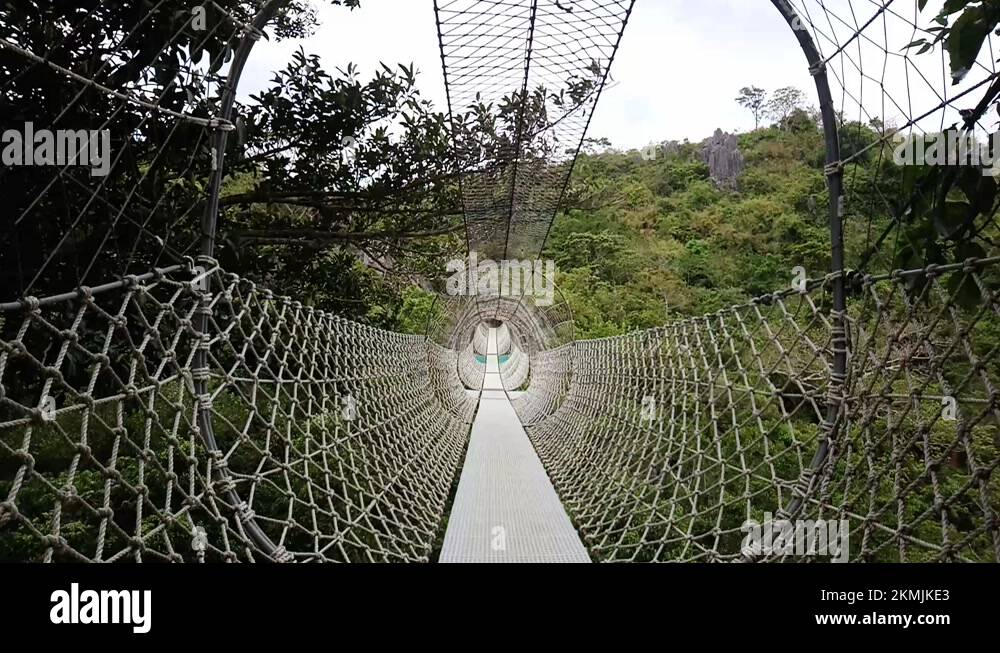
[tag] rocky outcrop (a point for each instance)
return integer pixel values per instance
(725, 161)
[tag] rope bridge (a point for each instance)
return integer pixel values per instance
(154, 407)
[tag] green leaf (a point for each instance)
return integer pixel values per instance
(965, 40)
(906, 259)
(951, 6)
(968, 250)
(952, 217)
(987, 194)
(964, 291)
(980, 191)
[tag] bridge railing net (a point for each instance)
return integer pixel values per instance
(153, 407)
(669, 440)
(665, 443)
(333, 440)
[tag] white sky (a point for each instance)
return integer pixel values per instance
(680, 65)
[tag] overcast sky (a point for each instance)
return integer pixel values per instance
(680, 65)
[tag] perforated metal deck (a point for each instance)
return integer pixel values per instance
(506, 509)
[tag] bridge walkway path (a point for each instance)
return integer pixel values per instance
(506, 509)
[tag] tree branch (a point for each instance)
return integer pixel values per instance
(305, 236)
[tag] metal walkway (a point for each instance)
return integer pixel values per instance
(506, 509)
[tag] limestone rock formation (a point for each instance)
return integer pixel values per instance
(725, 161)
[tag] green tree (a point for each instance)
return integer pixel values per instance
(783, 102)
(754, 99)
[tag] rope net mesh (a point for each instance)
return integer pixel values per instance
(331, 440)
(663, 443)
(666, 441)
(529, 75)
(173, 411)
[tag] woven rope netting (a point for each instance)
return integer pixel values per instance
(529, 74)
(522, 80)
(879, 409)
(156, 407)
(169, 410)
